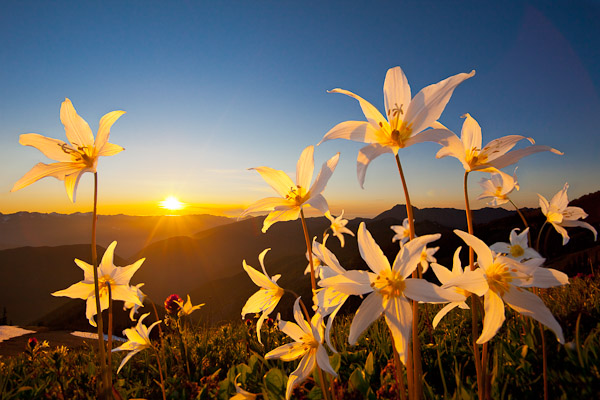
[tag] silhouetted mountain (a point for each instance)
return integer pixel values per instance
(132, 232)
(30, 274)
(448, 217)
(208, 265)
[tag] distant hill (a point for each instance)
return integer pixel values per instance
(29, 274)
(132, 232)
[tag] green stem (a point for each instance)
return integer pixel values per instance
(313, 281)
(474, 299)
(416, 359)
(105, 391)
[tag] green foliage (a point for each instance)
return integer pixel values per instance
(219, 358)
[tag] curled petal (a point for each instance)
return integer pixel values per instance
(104, 128)
(421, 290)
(365, 156)
(484, 254)
(369, 310)
(358, 131)
(110, 149)
(371, 113)
(326, 171)
(280, 215)
(277, 179)
(515, 155)
(41, 170)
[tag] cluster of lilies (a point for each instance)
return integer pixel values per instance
(502, 272)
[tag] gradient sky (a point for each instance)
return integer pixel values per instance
(212, 88)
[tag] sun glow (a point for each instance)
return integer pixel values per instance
(172, 203)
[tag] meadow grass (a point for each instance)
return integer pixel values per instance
(205, 363)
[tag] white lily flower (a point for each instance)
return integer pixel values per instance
(308, 344)
(498, 187)
(446, 276)
(389, 288)
(518, 248)
(427, 257)
(294, 196)
(241, 394)
(402, 232)
(491, 158)
(407, 119)
(187, 308)
(505, 279)
(75, 158)
(138, 340)
(560, 215)
(338, 226)
(117, 277)
(267, 297)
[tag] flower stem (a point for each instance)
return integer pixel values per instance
(109, 341)
(474, 299)
(162, 381)
(539, 236)
(105, 390)
(416, 359)
(313, 281)
(524, 221)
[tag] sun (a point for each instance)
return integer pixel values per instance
(172, 203)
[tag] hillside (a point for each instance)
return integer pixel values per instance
(132, 232)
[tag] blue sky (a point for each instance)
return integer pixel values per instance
(214, 88)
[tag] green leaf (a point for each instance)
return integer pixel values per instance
(275, 384)
(358, 382)
(315, 393)
(369, 365)
(335, 361)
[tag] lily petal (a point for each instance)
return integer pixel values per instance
(516, 155)
(369, 310)
(52, 148)
(422, 290)
(277, 179)
(305, 167)
(371, 113)
(40, 170)
(77, 130)
(398, 316)
(396, 90)
(365, 156)
(494, 316)
(370, 251)
(358, 131)
(484, 254)
(326, 171)
(104, 128)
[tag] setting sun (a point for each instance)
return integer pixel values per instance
(172, 203)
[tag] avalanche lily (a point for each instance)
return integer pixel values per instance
(338, 226)
(406, 118)
(294, 196)
(138, 340)
(518, 248)
(446, 276)
(133, 307)
(491, 158)
(75, 158)
(560, 215)
(502, 281)
(187, 308)
(402, 232)
(389, 288)
(498, 187)
(267, 297)
(308, 344)
(117, 277)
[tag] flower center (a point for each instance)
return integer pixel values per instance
(389, 284)
(499, 276)
(104, 282)
(499, 193)
(474, 157)
(83, 154)
(297, 195)
(516, 251)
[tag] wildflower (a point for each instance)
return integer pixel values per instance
(187, 308)
(294, 196)
(75, 158)
(518, 248)
(389, 288)
(402, 232)
(406, 118)
(173, 304)
(338, 227)
(133, 307)
(308, 344)
(491, 158)
(498, 187)
(117, 277)
(32, 343)
(446, 276)
(138, 339)
(427, 257)
(267, 297)
(560, 215)
(502, 281)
